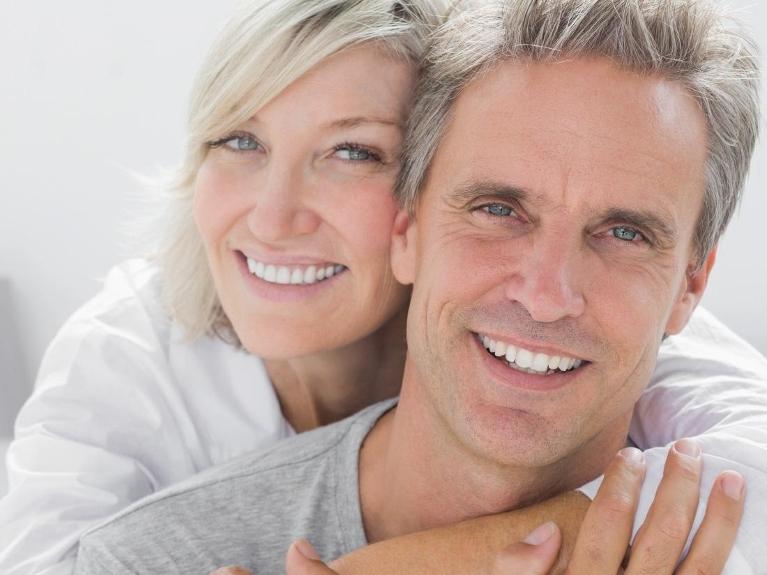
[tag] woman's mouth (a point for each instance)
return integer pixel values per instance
(308, 274)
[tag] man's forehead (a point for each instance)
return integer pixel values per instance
(577, 122)
(581, 96)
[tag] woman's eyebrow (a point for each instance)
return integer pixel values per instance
(355, 121)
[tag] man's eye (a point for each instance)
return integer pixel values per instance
(626, 234)
(355, 153)
(498, 210)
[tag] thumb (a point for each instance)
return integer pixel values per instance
(533, 556)
(302, 559)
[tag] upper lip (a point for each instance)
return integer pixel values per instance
(287, 259)
(534, 347)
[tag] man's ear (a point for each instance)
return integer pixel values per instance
(691, 294)
(403, 255)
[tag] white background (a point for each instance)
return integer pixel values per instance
(92, 90)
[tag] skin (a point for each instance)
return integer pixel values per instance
(308, 180)
(547, 274)
(261, 186)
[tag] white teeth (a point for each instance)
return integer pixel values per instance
(283, 275)
(524, 358)
(293, 275)
(540, 362)
(529, 361)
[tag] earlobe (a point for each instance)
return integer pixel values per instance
(694, 286)
(403, 247)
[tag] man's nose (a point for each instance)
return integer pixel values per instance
(548, 280)
(282, 206)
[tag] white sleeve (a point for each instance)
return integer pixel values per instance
(711, 385)
(95, 436)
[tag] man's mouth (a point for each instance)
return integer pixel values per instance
(294, 274)
(527, 361)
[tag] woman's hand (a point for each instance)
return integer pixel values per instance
(602, 542)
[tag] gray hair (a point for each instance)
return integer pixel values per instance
(689, 41)
(267, 45)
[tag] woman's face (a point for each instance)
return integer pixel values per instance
(295, 208)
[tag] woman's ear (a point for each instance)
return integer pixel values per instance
(690, 295)
(403, 255)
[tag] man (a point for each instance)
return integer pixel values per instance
(568, 177)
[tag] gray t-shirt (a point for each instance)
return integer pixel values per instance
(246, 512)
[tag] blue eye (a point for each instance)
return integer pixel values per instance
(238, 142)
(242, 143)
(498, 210)
(356, 153)
(626, 234)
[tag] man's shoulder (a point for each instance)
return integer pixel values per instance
(236, 499)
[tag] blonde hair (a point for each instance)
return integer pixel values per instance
(267, 45)
(689, 41)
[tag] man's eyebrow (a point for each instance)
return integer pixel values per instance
(355, 121)
(466, 193)
(663, 230)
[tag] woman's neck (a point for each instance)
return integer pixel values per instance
(326, 387)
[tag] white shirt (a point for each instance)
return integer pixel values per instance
(124, 406)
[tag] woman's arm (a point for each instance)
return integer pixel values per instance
(122, 407)
(600, 546)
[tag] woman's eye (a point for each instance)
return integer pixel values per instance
(498, 210)
(626, 234)
(242, 143)
(354, 153)
(237, 143)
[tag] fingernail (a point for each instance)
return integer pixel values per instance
(541, 534)
(305, 548)
(633, 456)
(732, 484)
(687, 447)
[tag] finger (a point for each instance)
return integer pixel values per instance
(606, 530)
(716, 535)
(533, 556)
(231, 570)
(302, 559)
(660, 541)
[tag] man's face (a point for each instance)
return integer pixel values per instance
(557, 220)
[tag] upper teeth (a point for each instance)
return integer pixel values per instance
(293, 275)
(527, 360)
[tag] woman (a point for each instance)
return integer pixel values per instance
(269, 307)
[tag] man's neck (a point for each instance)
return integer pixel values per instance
(416, 475)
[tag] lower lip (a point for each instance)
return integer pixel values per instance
(280, 293)
(510, 377)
